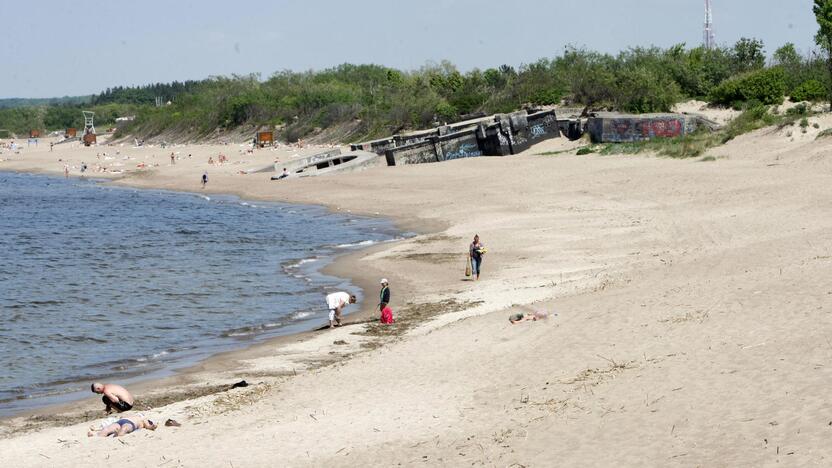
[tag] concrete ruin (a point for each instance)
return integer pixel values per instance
(611, 127)
(498, 135)
(328, 162)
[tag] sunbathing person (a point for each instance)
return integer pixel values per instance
(523, 317)
(124, 426)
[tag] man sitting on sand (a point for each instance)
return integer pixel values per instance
(336, 303)
(124, 426)
(115, 397)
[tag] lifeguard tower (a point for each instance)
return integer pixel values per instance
(89, 137)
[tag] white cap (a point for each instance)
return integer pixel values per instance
(384, 281)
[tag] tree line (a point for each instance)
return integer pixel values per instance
(373, 100)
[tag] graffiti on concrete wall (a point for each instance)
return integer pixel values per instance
(630, 129)
(621, 127)
(465, 150)
(537, 131)
(661, 128)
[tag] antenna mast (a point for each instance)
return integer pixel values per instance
(708, 35)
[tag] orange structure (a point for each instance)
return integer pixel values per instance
(89, 139)
(34, 133)
(71, 132)
(265, 138)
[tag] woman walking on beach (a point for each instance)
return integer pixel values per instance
(475, 252)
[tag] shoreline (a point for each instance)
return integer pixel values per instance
(339, 265)
(689, 321)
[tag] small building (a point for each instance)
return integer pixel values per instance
(71, 132)
(265, 139)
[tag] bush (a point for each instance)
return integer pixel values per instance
(584, 150)
(641, 89)
(824, 134)
(811, 90)
(766, 86)
(799, 109)
(750, 120)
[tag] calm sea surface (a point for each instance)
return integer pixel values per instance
(106, 283)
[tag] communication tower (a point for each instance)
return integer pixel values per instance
(708, 35)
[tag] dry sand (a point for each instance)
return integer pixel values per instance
(693, 320)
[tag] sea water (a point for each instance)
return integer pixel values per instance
(100, 283)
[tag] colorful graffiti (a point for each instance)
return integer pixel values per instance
(641, 129)
(661, 128)
(465, 150)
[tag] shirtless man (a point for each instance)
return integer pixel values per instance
(336, 303)
(115, 397)
(124, 426)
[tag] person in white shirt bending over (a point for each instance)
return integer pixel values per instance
(336, 303)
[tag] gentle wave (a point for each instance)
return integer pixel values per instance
(356, 244)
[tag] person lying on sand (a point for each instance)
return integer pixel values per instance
(115, 397)
(523, 317)
(336, 303)
(124, 426)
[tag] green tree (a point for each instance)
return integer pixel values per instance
(748, 55)
(823, 14)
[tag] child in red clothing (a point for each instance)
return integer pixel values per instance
(387, 315)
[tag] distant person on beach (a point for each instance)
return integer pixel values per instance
(115, 397)
(172, 159)
(384, 294)
(66, 171)
(285, 174)
(336, 303)
(51, 144)
(475, 251)
(523, 317)
(124, 426)
(204, 179)
(83, 167)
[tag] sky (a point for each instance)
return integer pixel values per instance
(54, 48)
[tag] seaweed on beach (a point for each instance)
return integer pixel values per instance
(437, 257)
(413, 315)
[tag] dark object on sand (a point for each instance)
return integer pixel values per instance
(239, 384)
(339, 342)
(172, 423)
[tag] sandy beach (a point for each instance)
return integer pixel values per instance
(690, 325)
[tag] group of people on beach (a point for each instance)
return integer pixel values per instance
(117, 398)
(337, 301)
